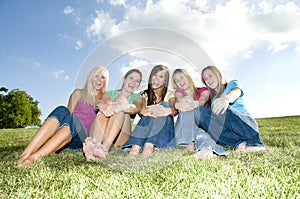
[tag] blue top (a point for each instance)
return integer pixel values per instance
(238, 104)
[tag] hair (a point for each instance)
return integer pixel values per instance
(189, 78)
(130, 72)
(149, 91)
(222, 82)
(88, 91)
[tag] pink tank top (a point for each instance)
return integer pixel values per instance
(198, 94)
(85, 112)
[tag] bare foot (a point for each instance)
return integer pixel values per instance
(148, 149)
(204, 153)
(191, 147)
(93, 150)
(135, 150)
(241, 147)
(30, 160)
(250, 149)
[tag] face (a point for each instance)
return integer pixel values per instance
(210, 79)
(99, 80)
(132, 81)
(181, 81)
(158, 80)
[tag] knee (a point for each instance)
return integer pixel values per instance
(165, 104)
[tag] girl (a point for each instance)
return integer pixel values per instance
(187, 132)
(156, 126)
(113, 124)
(227, 121)
(65, 125)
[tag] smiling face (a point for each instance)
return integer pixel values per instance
(210, 79)
(158, 80)
(132, 82)
(99, 80)
(181, 81)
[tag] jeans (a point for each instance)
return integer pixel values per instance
(230, 128)
(77, 130)
(204, 141)
(157, 131)
(185, 128)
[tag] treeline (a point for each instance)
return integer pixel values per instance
(18, 109)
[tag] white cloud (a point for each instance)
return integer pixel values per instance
(60, 74)
(223, 31)
(117, 2)
(79, 45)
(68, 10)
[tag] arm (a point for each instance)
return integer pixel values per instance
(221, 104)
(73, 99)
(204, 97)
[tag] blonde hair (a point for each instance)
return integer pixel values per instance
(188, 77)
(222, 82)
(88, 91)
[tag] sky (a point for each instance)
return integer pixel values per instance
(48, 47)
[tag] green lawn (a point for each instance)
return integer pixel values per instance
(274, 173)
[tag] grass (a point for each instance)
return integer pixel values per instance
(274, 173)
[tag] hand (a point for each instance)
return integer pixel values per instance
(159, 111)
(105, 108)
(220, 105)
(184, 105)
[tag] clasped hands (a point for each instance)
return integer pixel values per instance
(184, 105)
(157, 111)
(109, 108)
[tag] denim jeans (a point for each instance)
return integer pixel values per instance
(230, 128)
(77, 130)
(185, 128)
(158, 131)
(204, 141)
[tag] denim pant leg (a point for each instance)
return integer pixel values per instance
(204, 141)
(158, 131)
(140, 133)
(230, 128)
(162, 133)
(244, 126)
(78, 133)
(185, 128)
(62, 114)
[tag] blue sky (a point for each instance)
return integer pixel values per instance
(47, 47)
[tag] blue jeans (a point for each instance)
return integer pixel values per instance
(77, 130)
(230, 128)
(185, 128)
(158, 131)
(204, 141)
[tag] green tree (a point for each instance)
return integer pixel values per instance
(18, 109)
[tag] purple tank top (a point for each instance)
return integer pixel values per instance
(85, 112)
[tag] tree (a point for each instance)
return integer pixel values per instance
(18, 109)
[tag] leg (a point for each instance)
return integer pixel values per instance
(46, 131)
(125, 131)
(57, 141)
(113, 128)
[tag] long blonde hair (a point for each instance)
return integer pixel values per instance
(222, 82)
(188, 77)
(88, 91)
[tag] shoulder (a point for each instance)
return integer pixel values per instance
(77, 93)
(234, 84)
